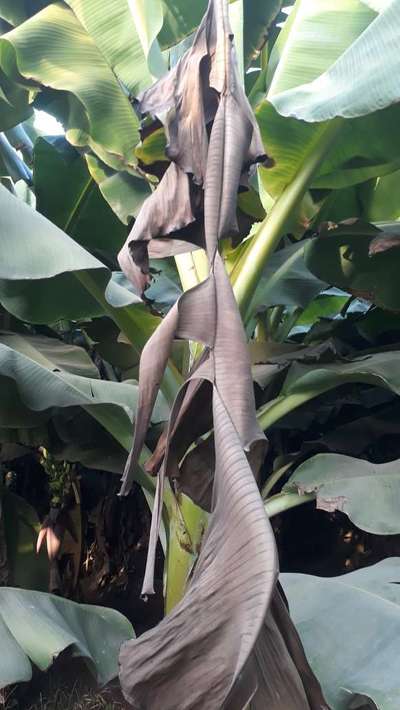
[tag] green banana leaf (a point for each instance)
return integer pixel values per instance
(90, 50)
(69, 197)
(359, 257)
(326, 305)
(379, 369)
(148, 18)
(379, 198)
(14, 103)
(318, 35)
(96, 58)
(368, 493)
(350, 629)
(305, 382)
(17, 11)
(36, 627)
(42, 374)
(38, 263)
(72, 435)
(77, 436)
(286, 280)
(124, 192)
(181, 19)
(340, 91)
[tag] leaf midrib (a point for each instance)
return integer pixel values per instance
(80, 202)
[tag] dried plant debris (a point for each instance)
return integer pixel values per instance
(223, 645)
(201, 96)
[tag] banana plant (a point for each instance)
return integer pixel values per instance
(316, 135)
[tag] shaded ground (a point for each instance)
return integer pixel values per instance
(65, 687)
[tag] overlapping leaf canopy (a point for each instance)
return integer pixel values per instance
(324, 39)
(97, 60)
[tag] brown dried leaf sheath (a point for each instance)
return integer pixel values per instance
(221, 647)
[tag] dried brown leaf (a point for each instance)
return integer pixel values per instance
(210, 651)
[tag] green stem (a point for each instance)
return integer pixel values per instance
(187, 521)
(186, 270)
(249, 268)
(74, 214)
(275, 316)
(279, 407)
(201, 263)
(186, 528)
(261, 331)
(192, 268)
(285, 501)
(264, 56)
(258, 90)
(274, 478)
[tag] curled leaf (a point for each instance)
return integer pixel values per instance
(217, 622)
(203, 89)
(209, 652)
(169, 210)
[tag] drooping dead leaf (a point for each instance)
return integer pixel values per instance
(188, 100)
(210, 651)
(193, 657)
(169, 210)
